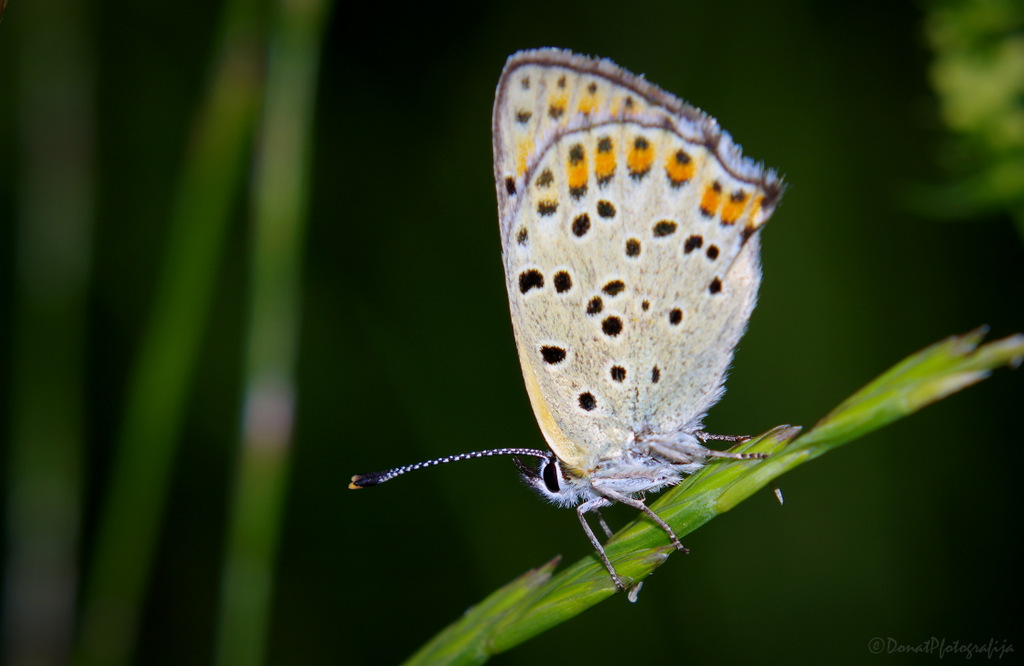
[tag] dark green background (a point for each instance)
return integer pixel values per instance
(407, 351)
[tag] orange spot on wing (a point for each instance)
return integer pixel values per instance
(734, 206)
(577, 173)
(604, 161)
(640, 157)
(680, 167)
(523, 152)
(711, 198)
(755, 211)
(557, 106)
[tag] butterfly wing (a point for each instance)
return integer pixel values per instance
(629, 226)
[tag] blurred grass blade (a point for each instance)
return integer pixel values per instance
(529, 606)
(129, 524)
(52, 261)
(280, 202)
(977, 72)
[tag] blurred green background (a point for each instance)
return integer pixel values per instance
(896, 231)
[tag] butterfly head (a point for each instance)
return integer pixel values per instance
(553, 481)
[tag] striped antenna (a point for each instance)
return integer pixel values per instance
(377, 478)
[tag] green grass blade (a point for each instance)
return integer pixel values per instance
(54, 221)
(131, 515)
(280, 197)
(641, 547)
(465, 641)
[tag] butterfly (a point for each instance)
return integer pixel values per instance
(630, 240)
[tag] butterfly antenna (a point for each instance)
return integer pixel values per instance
(377, 478)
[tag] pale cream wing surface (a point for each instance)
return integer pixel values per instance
(629, 236)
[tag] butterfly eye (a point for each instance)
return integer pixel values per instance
(549, 472)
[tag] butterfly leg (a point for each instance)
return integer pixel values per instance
(713, 453)
(604, 526)
(708, 436)
(581, 511)
(640, 506)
